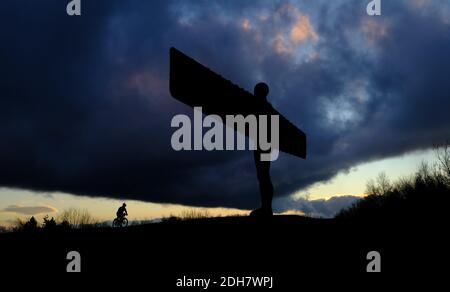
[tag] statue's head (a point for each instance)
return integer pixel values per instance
(261, 90)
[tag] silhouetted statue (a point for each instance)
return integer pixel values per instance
(198, 86)
(261, 91)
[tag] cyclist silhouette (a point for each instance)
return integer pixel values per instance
(261, 90)
(122, 212)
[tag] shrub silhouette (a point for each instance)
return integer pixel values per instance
(70, 218)
(424, 195)
(30, 225)
(189, 214)
(49, 224)
(195, 214)
(76, 218)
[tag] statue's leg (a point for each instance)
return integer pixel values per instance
(264, 180)
(266, 186)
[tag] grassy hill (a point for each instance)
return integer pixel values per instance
(283, 246)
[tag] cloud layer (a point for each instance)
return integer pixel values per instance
(85, 106)
(324, 208)
(30, 210)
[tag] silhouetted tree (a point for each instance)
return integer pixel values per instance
(380, 186)
(49, 224)
(442, 153)
(76, 218)
(425, 194)
(30, 225)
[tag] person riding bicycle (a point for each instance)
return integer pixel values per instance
(122, 212)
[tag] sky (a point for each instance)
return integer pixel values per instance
(85, 108)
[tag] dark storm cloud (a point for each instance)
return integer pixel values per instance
(85, 106)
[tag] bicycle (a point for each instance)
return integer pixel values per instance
(120, 222)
